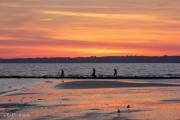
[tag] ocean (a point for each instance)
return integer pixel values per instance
(124, 69)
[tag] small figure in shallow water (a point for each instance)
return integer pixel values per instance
(115, 72)
(62, 73)
(94, 73)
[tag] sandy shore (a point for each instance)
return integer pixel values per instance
(92, 100)
(91, 84)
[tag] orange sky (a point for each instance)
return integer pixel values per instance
(51, 28)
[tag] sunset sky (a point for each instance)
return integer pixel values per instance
(61, 28)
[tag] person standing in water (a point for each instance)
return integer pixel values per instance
(94, 73)
(115, 72)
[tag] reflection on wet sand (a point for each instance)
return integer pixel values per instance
(79, 100)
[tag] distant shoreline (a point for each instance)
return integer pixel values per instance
(88, 77)
(106, 59)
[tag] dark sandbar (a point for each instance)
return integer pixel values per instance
(108, 84)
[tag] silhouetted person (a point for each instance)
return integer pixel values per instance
(62, 73)
(115, 72)
(94, 73)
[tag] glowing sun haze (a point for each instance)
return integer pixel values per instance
(51, 28)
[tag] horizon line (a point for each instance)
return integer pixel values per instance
(91, 57)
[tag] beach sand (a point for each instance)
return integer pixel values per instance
(92, 100)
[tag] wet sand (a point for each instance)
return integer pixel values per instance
(91, 84)
(92, 100)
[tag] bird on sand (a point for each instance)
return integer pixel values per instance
(128, 106)
(118, 111)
